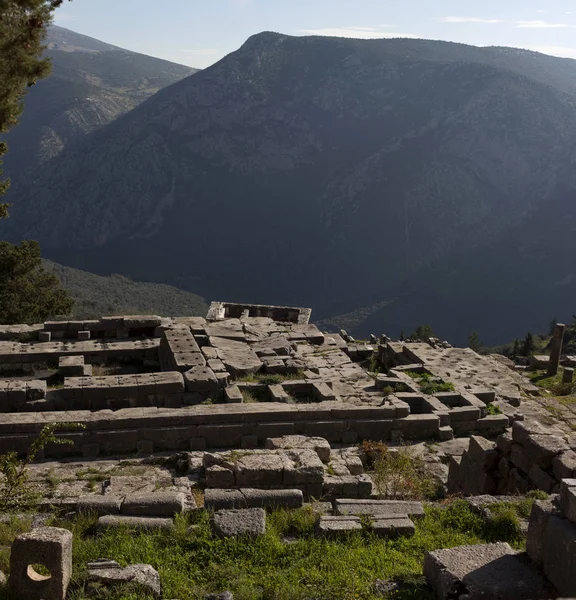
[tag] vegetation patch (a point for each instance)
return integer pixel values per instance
(192, 562)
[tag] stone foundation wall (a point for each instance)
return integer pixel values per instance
(531, 457)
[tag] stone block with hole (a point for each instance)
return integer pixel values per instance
(49, 547)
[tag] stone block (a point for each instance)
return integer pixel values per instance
(568, 499)
(455, 475)
(259, 471)
(492, 424)
(541, 449)
(519, 459)
(483, 452)
(109, 573)
(383, 509)
(464, 413)
(484, 571)
(564, 465)
(445, 433)
(418, 426)
(558, 555)
(336, 527)
(522, 430)
(542, 510)
(233, 395)
(517, 483)
(220, 477)
(83, 336)
(48, 546)
(504, 443)
(115, 521)
(300, 442)
(218, 499)
(272, 430)
(250, 522)
(157, 504)
(330, 430)
(90, 450)
(197, 444)
(349, 437)
(393, 528)
(99, 505)
(541, 479)
(272, 499)
(144, 447)
(44, 336)
(221, 436)
(354, 465)
(372, 429)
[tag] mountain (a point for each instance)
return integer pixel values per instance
(96, 296)
(92, 83)
(399, 181)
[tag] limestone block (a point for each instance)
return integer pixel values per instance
(114, 521)
(522, 430)
(35, 390)
(483, 452)
(201, 379)
(541, 479)
(542, 510)
(330, 430)
(288, 442)
(233, 395)
(541, 449)
(278, 393)
(393, 527)
(564, 465)
(568, 499)
(483, 571)
(157, 504)
(464, 413)
(249, 522)
(445, 433)
(504, 443)
(339, 526)
(519, 459)
(99, 505)
(517, 483)
(44, 336)
(83, 335)
(271, 499)
(354, 465)
(109, 573)
(219, 477)
(48, 546)
(492, 424)
(218, 499)
(455, 475)
(558, 556)
(383, 509)
(259, 470)
(249, 442)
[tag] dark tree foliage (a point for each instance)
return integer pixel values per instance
(23, 26)
(28, 294)
(423, 333)
(528, 345)
(474, 342)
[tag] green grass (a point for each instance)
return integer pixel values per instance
(192, 563)
(429, 384)
(270, 379)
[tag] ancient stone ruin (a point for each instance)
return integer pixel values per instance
(259, 410)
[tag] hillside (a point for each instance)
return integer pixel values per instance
(92, 83)
(98, 296)
(406, 175)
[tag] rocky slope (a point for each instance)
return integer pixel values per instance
(92, 83)
(327, 172)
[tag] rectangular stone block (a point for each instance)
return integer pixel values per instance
(483, 452)
(541, 449)
(564, 465)
(395, 527)
(542, 510)
(157, 504)
(558, 556)
(221, 436)
(329, 430)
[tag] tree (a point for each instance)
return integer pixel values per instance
(422, 333)
(28, 294)
(516, 349)
(23, 26)
(474, 342)
(528, 345)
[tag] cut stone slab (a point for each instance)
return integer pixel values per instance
(558, 555)
(159, 504)
(301, 442)
(337, 526)
(217, 499)
(245, 522)
(394, 527)
(140, 522)
(483, 572)
(99, 505)
(103, 572)
(378, 508)
(221, 596)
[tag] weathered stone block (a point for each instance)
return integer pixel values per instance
(382, 509)
(201, 379)
(219, 477)
(158, 504)
(568, 499)
(114, 521)
(99, 505)
(393, 527)
(517, 483)
(522, 430)
(340, 526)
(483, 571)
(519, 459)
(541, 449)
(109, 573)
(48, 546)
(218, 499)
(233, 395)
(272, 499)
(483, 452)
(297, 442)
(558, 555)
(249, 442)
(504, 443)
(541, 479)
(239, 522)
(542, 510)
(564, 465)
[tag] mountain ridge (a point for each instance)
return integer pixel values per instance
(342, 170)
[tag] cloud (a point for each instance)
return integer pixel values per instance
(469, 20)
(365, 33)
(541, 25)
(561, 51)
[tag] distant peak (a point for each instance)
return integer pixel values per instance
(266, 38)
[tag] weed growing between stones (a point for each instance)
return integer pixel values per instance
(15, 491)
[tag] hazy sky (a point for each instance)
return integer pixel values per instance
(198, 33)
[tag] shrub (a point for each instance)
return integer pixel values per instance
(15, 492)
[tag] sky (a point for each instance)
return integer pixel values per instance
(200, 32)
